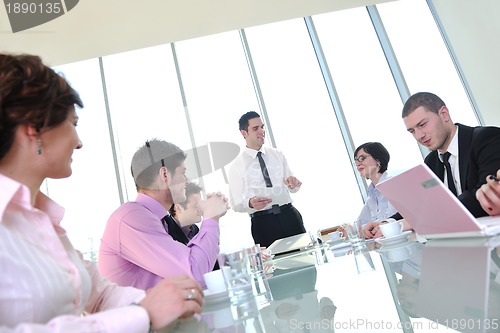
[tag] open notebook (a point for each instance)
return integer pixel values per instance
(430, 207)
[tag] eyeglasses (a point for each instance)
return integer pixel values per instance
(361, 158)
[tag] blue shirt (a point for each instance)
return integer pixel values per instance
(377, 208)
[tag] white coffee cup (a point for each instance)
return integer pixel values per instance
(335, 235)
(215, 281)
(391, 229)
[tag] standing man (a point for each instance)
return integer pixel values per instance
(136, 248)
(260, 183)
(461, 156)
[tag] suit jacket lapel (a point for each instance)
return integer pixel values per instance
(464, 147)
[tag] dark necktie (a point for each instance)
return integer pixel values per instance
(265, 173)
(174, 230)
(449, 175)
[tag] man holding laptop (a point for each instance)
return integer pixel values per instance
(461, 156)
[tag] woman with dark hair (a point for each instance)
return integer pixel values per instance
(45, 285)
(371, 160)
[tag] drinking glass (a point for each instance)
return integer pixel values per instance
(354, 233)
(236, 270)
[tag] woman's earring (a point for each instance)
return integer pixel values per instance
(39, 146)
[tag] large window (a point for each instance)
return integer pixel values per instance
(218, 89)
(193, 93)
(91, 193)
(423, 57)
(365, 86)
(303, 123)
(145, 103)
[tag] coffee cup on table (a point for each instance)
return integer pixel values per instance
(336, 235)
(215, 281)
(391, 229)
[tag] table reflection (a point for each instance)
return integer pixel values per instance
(296, 305)
(440, 286)
(454, 283)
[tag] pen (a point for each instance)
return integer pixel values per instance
(494, 178)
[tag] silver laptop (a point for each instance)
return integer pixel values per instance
(430, 207)
(290, 244)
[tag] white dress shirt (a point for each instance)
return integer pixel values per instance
(246, 180)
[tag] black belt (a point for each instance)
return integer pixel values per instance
(275, 209)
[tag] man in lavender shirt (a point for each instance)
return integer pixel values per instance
(136, 248)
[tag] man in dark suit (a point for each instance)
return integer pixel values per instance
(180, 223)
(183, 216)
(476, 150)
(472, 153)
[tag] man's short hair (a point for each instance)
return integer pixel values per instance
(428, 100)
(243, 122)
(378, 152)
(149, 158)
(191, 188)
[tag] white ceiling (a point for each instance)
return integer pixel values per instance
(96, 28)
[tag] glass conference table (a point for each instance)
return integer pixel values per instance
(440, 286)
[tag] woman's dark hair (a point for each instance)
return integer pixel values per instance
(378, 152)
(31, 94)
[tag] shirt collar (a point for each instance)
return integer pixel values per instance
(452, 147)
(13, 191)
(372, 187)
(152, 205)
(253, 153)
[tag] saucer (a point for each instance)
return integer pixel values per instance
(396, 245)
(333, 242)
(401, 238)
(215, 298)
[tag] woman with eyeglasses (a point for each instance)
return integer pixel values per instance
(45, 285)
(372, 159)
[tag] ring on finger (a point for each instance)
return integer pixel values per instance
(191, 294)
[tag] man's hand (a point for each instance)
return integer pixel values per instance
(488, 195)
(171, 299)
(214, 207)
(259, 203)
(292, 182)
(372, 230)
